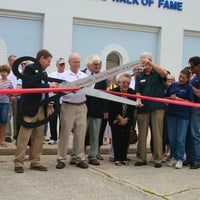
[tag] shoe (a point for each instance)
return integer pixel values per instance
(82, 165)
(125, 162)
(172, 162)
(194, 166)
(168, 158)
(140, 163)
(179, 164)
(187, 162)
(118, 163)
(46, 138)
(99, 157)
(94, 162)
(157, 165)
(60, 165)
(8, 139)
(111, 159)
(52, 142)
(39, 168)
(19, 169)
(72, 161)
(164, 159)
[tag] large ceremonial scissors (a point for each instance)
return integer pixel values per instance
(83, 84)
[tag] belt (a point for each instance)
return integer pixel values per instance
(75, 104)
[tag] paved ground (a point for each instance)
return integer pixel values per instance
(106, 181)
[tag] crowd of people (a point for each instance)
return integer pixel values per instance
(174, 127)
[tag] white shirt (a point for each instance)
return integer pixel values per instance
(132, 84)
(12, 78)
(57, 75)
(73, 97)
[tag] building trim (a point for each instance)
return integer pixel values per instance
(115, 25)
(191, 33)
(21, 14)
(117, 49)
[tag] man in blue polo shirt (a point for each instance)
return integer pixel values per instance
(150, 82)
(193, 140)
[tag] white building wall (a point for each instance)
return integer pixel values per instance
(58, 20)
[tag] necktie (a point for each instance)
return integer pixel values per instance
(46, 82)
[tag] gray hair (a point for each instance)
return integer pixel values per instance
(90, 59)
(148, 55)
(122, 75)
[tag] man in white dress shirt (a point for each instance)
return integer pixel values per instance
(73, 115)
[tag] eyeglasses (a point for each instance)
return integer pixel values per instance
(126, 82)
(62, 64)
(23, 63)
(96, 64)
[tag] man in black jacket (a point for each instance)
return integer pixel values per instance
(33, 115)
(97, 109)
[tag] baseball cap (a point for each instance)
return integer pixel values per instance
(60, 61)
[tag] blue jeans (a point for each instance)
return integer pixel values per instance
(111, 153)
(193, 150)
(177, 130)
(4, 113)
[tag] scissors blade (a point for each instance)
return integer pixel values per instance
(85, 82)
(99, 94)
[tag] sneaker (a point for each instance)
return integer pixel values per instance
(51, 142)
(172, 162)
(179, 164)
(46, 138)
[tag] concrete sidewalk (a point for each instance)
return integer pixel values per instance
(106, 181)
(103, 182)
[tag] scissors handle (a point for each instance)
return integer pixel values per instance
(38, 76)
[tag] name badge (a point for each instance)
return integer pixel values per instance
(142, 81)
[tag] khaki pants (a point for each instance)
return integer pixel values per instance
(72, 117)
(156, 119)
(36, 135)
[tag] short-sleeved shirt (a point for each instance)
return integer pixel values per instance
(73, 97)
(150, 85)
(183, 91)
(196, 83)
(4, 98)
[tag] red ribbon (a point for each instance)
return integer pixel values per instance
(36, 90)
(57, 90)
(162, 100)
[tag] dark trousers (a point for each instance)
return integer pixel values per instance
(120, 139)
(102, 130)
(53, 127)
